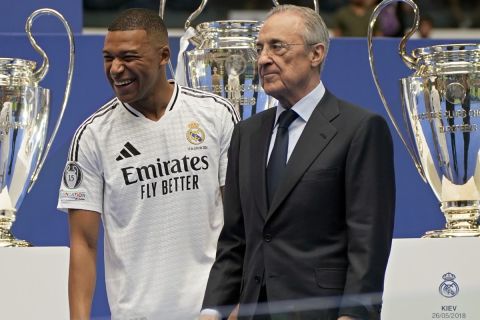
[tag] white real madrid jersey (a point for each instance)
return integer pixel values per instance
(157, 188)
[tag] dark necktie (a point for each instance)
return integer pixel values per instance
(278, 158)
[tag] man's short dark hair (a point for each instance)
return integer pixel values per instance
(140, 19)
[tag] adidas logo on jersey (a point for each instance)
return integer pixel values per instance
(127, 152)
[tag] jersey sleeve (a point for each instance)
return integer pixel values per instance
(82, 180)
(229, 119)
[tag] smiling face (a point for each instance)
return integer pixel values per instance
(135, 66)
(292, 73)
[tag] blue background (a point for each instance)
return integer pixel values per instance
(15, 13)
(347, 74)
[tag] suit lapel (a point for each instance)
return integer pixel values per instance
(315, 136)
(260, 143)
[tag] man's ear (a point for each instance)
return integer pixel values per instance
(317, 54)
(164, 54)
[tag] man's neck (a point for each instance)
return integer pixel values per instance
(154, 107)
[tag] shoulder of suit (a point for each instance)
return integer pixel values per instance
(354, 110)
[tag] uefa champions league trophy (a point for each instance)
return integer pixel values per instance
(224, 61)
(24, 112)
(441, 101)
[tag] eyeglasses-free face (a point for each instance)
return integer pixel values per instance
(132, 64)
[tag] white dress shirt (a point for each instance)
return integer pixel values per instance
(304, 109)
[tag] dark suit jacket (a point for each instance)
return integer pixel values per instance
(329, 228)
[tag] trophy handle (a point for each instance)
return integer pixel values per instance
(195, 14)
(315, 5)
(42, 71)
(411, 63)
(409, 60)
(161, 13)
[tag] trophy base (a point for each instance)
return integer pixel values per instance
(8, 240)
(452, 233)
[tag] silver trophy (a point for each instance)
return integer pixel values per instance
(224, 61)
(441, 102)
(24, 112)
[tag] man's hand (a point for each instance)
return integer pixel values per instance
(208, 317)
(347, 318)
(234, 313)
(210, 314)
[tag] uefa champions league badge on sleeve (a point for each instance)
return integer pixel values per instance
(72, 176)
(72, 180)
(449, 289)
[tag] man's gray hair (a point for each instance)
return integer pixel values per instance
(315, 29)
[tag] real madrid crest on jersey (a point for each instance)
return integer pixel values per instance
(448, 288)
(195, 134)
(72, 176)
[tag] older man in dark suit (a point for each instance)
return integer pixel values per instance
(310, 191)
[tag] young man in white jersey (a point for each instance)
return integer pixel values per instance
(150, 164)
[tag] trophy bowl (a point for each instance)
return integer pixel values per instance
(225, 63)
(24, 113)
(24, 109)
(441, 102)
